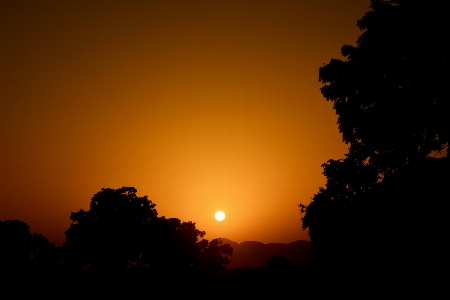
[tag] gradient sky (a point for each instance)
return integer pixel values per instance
(200, 105)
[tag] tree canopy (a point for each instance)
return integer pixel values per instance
(214, 256)
(108, 234)
(23, 251)
(122, 231)
(391, 93)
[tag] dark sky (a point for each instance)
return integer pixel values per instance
(200, 105)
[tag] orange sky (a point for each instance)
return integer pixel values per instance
(200, 105)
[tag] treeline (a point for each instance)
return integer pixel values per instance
(120, 233)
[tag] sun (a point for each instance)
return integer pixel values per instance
(220, 215)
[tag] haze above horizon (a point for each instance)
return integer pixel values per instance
(200, 105)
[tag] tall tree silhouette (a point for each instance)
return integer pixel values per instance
(391, 94)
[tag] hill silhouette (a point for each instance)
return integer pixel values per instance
(253, 254)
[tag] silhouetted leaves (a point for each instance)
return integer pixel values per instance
(16, 242)
(391, 97)
(109, 235)
(171, 246)
(22, 252)
(121, 231)
(214, 256)
(391, 94)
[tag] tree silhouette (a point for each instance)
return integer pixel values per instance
(171, 245)
(16, 245)
(391, 95)
(109, 235)
(121, 231)
(214, 256)
(21, 251)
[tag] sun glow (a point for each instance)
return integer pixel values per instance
(220, 216)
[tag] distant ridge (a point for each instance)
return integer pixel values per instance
(253, 254)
